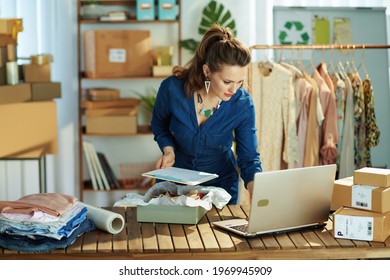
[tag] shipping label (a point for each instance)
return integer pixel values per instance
(117, 55)
(362, 196)
(354, 227)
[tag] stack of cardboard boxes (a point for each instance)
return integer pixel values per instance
(363, 205)
(107, 113)
(27, 109)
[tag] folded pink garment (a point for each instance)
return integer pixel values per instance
(51, 203)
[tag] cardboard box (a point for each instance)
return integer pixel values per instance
(167, 9)
(173, 214)
(10, 25)
(339, 192)
(357, 224)
(369, 198)
(15, 93)
(117, 53)
(162, 71)
(120, 103)
(145, 10)
(103, 94)
(37, 73)
(370, 176)
(6, 40)
(45, 91)
(30, 129)
(11, 52)
(107, 121)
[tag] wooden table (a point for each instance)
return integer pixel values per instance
(203, 241)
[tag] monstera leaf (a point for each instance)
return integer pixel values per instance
(215, 13)
(212, 13)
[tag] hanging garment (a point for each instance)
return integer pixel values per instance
(359, 121)
(339, 86)
(315, 117)
(328, 130)
(347, 165)
(302, 90)
(372, 130)
(276, 117)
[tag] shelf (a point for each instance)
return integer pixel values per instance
(84, 78)
(143, 130)
(129, 21)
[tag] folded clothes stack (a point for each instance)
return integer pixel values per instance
(42, 222)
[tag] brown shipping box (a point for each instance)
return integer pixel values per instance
(106, 121)
(6, 40)
(45, 91)
(103, 94)
(30, 130)
(37, 73)
(340, 192)
(357, 224)
(371, 176)
(369, 198)
(123, 102)
(15, 93)
(117, 53)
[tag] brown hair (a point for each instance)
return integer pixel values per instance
(217, 48)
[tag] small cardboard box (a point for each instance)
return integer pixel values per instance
(145, 10)
(6, 40)
(30, 130)
(103, 94)
(117, 53)
(37, 73)
(166, 9)
(45, 91)
(162, 71)
(370, 176)
(107, 121)
(171, 214)
(369, 198)
(15, 93)
(357, 224)
(10, 25)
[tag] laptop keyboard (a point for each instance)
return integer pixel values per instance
(242, 228)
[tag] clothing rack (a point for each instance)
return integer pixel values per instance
(341, 47)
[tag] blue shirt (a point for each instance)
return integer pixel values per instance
(208, 147)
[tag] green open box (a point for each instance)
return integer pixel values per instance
(171, 214)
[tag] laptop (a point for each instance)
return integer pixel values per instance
(287, 200)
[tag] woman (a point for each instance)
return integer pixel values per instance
(202, 108)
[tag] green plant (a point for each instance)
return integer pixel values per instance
(212, 13)
(148, 98)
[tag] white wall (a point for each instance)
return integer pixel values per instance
(50, 26)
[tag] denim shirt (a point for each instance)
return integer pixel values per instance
(208, 147)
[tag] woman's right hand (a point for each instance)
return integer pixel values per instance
(166, 160)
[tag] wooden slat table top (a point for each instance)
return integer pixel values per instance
(204, 241)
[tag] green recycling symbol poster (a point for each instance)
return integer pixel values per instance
(293, 29)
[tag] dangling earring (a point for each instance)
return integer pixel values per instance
(207, 83)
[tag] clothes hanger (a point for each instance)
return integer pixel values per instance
(331, 65)
(362, 63)
(340, 66)
(266, 65)
(355, 70)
